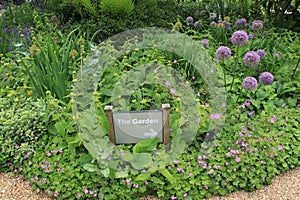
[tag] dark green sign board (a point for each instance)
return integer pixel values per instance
(132, 127)
(128, 127)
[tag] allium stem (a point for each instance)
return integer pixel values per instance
(235, 64)
(257, 89)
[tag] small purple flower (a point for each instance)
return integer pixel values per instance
(211, 171)
(257, 25)
(280, 147)
(196, 24)
(198, 120)
(239, 38)
(48, 154)
(176, 162)
(168, 83)
(172, 91)
(266, 78)
(136, 185)
(173, 197)
(155, 70)
(249, 83)
(189, 19)
(55, 194)
(205, 187)
(44, 181)
(239, 22)
(223, 53)
(29, 163)
(184, 195)
(251, 59)
(146, 182)
(261, 53)
(205, 43)
(237, 159)
(272, 120)
(265, 33)
(227, 163)
(85, 191)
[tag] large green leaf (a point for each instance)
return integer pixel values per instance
(145, 146)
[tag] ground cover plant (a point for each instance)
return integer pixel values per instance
(259, 68)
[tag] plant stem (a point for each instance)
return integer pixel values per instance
(296, 67)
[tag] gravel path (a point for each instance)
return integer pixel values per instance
(285, 187)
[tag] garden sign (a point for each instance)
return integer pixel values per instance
(128, 127)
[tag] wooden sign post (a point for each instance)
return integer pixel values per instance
(133, 126)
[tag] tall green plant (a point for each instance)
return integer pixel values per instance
(49, 68)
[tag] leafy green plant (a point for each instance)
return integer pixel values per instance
(22, 124)
(121, 8)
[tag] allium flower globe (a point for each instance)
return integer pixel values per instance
(251, 59)
(266, 78)
(249, 83)
(223, 53)
(257, 25)
(261, 53)
(205, 43)
(239, 38)
(239, 22)
(213, 24)
(196, 24)
(189, 19)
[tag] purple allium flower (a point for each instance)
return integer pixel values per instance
(249, 83)
(205, 43)
(250, 36)
(277, 54)
(261, 53)
(239, 38)
(239, 22)
(213, 24)
(189, 19)
(266, 78)
(251, 59)
(196, 24)
(223, 53)
(257, 25)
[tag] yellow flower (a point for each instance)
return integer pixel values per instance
(34, 50)
(29, 92)
(143, 101)
(227, 19)
(133, 100)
